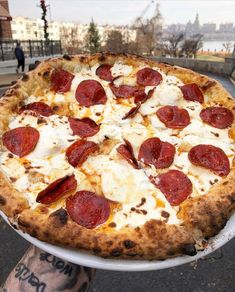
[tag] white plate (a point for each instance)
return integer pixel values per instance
(81, 258)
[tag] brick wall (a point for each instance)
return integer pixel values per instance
(5, 26)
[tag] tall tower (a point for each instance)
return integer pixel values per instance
(196, 24)
(5, 21)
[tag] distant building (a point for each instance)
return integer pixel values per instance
(208, 28)
(226, 27)
(32, 29)
(5, 20)
(176, 28)
(189, 28)
(196, 25)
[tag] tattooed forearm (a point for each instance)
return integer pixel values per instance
(58, 264)
(24, 274)
(41, 272)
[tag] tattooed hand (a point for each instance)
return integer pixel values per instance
(39, 271)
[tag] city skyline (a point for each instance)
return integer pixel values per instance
(186, 10)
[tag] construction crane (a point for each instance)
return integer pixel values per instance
(139, 20)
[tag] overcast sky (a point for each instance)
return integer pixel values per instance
(125, 11)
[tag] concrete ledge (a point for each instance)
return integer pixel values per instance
(233, 75)
(221, 68)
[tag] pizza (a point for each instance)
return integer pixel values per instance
(118, 155)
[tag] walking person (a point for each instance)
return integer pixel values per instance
(19, 53)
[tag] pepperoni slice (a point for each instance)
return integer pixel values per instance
(141, 96)
(175, 185)
(123, 91)
(148, 77)
(192, 92)
(83, 127)
(90, 92)
(40, 108)
(218, 117)
(87, 209)
(21, 141)
(132, 112)
(127, 153)
(210, 157)
(61, 80)
(154, 151)
(173, 117)
(78, 152)
(57, 190)
(104, 72)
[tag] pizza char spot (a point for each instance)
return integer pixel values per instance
(25, 77)
(10, 155)
(138, 211)
(61, 214)
(215, 134)
(96, 250)
(143, 201)
(40, 121)
(129, 244)
(116, 252)
(13, 179)
(165, 214)
(189, 249)
(112, 225)
(55, 108)
(67, 57)
(2, 201)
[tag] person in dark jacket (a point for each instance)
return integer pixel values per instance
(19, 53)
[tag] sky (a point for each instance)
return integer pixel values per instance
(121, 12)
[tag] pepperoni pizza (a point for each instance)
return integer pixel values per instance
(118, 155)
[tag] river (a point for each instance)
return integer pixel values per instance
(216, 45)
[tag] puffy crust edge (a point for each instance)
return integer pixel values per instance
(203, 216)
(154, 240)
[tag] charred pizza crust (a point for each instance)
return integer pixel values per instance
(203, 216)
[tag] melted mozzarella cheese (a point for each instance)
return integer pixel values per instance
(134, 215)
(163, 94)
(124, 184)
(121, 69)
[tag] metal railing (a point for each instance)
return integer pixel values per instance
(31, 48)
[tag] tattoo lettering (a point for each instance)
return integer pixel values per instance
(24, 274)
(57, 263)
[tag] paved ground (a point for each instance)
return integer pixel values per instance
(9, 66)
(7, 79)
(214, 273)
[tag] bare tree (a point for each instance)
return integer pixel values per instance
(114, 42)
(132, 47)
(70, 40)
(191, 46)
(147, 37)
(228, 46)
(173, 44)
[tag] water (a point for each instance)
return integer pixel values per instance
(216, 45)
